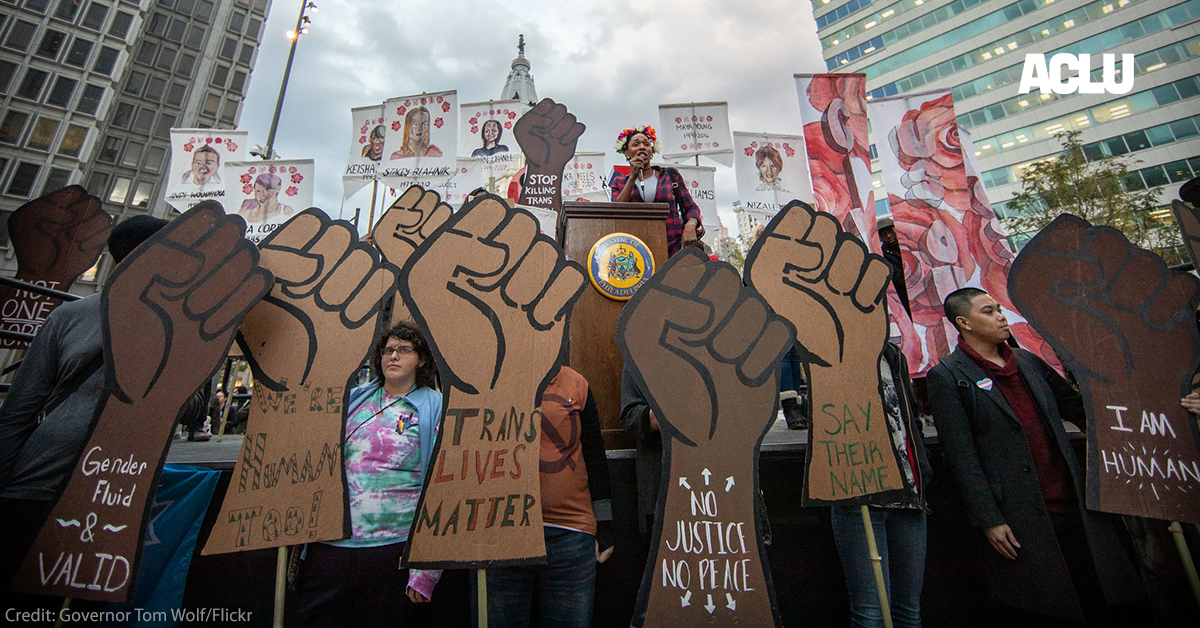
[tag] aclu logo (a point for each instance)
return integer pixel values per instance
(1048, 77)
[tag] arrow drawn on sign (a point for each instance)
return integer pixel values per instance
(686, 600)
(710, 607)
(706, 473)
(728, 483)
(684, 484)
(730, 603)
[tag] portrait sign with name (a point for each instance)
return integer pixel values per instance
(1125, 326)
(197, 156)
(698, 128)
(583, 178)
(486, 133)
(702, 186)
(366, 148)
(771, 172)
(422, 136)
(267, 193)
(169, 314)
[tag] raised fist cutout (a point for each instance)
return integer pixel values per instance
(59, 236)
(833, 290)
(547, 135)
(326, 300)
(705, 350)
(486, 282)
(408, 222)
(1125, 325)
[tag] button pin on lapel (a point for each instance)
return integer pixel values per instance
(985, 383)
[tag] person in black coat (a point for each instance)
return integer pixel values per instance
(999, 414)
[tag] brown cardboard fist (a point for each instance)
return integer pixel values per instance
(408, 222)
(59, 235)
(547, 135)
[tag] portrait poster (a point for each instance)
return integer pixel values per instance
(196, 159)
(366, 148)
(771, 172)
(701, 183)
(422, 136)
(583, 178)
(833, 109)
(454, 188)
(267, 193)
(485, 133)
(698, 128)
(949, 236)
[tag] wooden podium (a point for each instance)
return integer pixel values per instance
(593, 345)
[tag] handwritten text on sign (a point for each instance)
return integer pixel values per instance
(1144, 453)
(856, 467)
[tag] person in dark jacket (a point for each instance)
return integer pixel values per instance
(999, 413)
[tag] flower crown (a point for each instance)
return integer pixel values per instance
(648, 131)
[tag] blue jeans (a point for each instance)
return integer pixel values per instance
(900, 537)
(791, 375)
(564, 586)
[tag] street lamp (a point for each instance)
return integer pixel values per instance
(302, 24)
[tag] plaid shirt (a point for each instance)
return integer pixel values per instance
(668, 178)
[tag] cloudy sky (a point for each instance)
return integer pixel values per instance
(611, 63)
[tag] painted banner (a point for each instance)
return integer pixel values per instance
(698, 128)
(56, 238)
(548, 135)
(486, 133)
(305, 343)
(196, 158)
(705, 351)
(170, 311)
(583, 178)
(454, 188)
(422, 137)
(1125, 325)
(268, 193)
(701, 182)
(771, 172)
(949, 236)
(833, 108)
(366, 148)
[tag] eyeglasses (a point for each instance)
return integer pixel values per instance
(398, 351)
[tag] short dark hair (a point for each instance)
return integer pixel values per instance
(131, 233)
(958, 303)
(427, 374)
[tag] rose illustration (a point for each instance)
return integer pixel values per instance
(396, 125)
(929, 149)
(246, 178)
(296, 178)
(445, 106)
(248, 188)
(292, 191)
(438, 123)
(508, 124)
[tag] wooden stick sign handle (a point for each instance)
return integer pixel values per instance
(877, 564)
(1185, 556)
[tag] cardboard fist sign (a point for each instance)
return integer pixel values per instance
(1125, 325)
(705, 351)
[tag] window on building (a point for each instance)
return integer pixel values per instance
(175, 94)
(158, 24)
(120, 190)
(4, 242)
(60, 94)
(31, 85)
(13, 126)
(94, 18)
(72, 142)
(97, 184)
(165, 124)
(212, 102)
(185, 6)
(146, 53)
(154, 158)
(186, 63)
(22, 180)
(229, 113)
(20, 35)
(89, 102)
(105, 60)
(176, 29)
(237, 21)
(109, 150)
(56, 180)
(247, 54)
(204, 10)
(52, 42)
(135, 83)
(238, 84)
(37, 5)
(120, 25)
(253, 26)
(195, 37)
(68, 9)
(228, 48)
(220, 76)
(166, 59)
(8, 69)
(80, 49)
(141, 195)
(144, 120)
(43, 134)
(155, 87)
(132, 155)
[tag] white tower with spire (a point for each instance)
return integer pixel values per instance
(520, 82)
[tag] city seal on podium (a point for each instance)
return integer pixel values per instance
(619, 264)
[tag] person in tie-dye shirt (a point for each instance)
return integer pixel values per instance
(391, 426)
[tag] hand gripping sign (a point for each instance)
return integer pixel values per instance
(547, 135)
(494, 297)
(705, 351)
(56, 238)
(410, 220)
(1125, 326)
(170, 312)
(833, 290)
(304, 342)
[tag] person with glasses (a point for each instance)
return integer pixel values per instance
(391, 427)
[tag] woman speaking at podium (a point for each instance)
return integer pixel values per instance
(655, 184)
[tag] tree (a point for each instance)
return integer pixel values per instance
(1093, 189)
